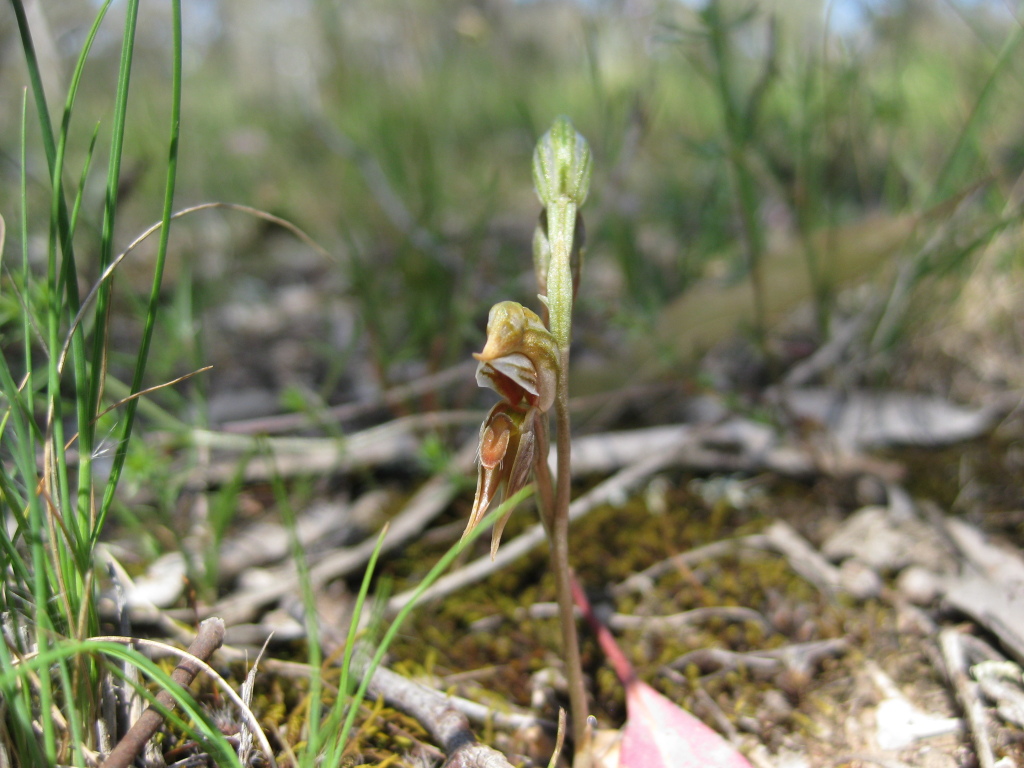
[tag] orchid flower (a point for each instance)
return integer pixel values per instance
(520, 363)
(520, 359)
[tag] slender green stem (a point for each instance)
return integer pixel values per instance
(554, 512)
(559, 535)
(738, 125)
(542, 477)
(753, 237)
(561, 176)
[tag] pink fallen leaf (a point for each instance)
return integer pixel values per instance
(658, 733)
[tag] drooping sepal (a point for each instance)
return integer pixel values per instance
(506, 450)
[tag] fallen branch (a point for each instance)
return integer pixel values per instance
(804, 559)
(388, 443)
(615, 487)
(475, 712)
(288, 422)
(445, 724)
(158, 648)
(429, 501)
(209, 638)
(735, 444)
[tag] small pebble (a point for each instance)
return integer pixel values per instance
(919, 585)
(859, 580)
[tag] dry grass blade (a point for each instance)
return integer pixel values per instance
(153, 229)
(136, 396)
(245, 732)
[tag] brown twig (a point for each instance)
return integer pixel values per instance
(208, 640)
(445, 724)
(805, 559)
(801, 657)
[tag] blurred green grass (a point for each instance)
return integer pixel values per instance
(399, 133)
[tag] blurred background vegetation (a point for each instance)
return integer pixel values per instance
(398, 134)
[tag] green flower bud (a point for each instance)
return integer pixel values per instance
(561, 164)
(520, 359)
(506, 449)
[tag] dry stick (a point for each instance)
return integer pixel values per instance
(642, 581)
(446, 725)
(228, 692)
(429, 501)
(209, 638)
(389, 397)
(615, 487)
(801, 657)
(966, 693)
(289, 456)
(474, 711)
(673, 622)
(805, 559)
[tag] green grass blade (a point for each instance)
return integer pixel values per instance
(193, 720)
(121, 452)
(20, 719)
(71, 692)
(433, 575)
(113, 180)
(948, 183)
(312, 625)
(36, 81)
(345, 703)
(26, 323)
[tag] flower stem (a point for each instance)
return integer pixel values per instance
(554, 513)
(559, 535)
(542, 477)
